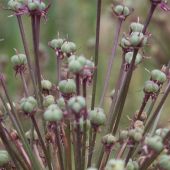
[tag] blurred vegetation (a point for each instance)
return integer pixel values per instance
(75, 20)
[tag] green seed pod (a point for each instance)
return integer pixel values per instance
(68, 47)
(28, 135)
(42, 6)
(162, 132)
(48, 100)
(76, 104)
(136, 27)
(19, 59)
(109, 139)
(75, 66)
(61, 103)
(89, 63)
(14, 5)
(129, 56)
(67, 86)
(122, 10)
(53, 114)
(33, 6)
(82, 60)
(164, 162)
(97, 116)
(56, 43)
(125, 43)
(136, 38)
(53, 107)
(151, 87)
(123, 135)
(4, 157)
(115, 165)
(46, 85)
(154, 143)
(29, 104)
(158, 75)
(132, 165)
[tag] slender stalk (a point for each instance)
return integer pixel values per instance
(47, 156)
(78, 84)
(91, 148)
(98, 15)
(122, 149)
(111, 60)
(24, 84)
(58, 69)
(35, 31)
(22, 32)
(104, 160)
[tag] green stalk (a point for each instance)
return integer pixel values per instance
(98, 15)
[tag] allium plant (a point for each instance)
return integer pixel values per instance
(68, 129)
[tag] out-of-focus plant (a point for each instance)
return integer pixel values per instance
(63, 126)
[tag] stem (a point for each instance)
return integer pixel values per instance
(111, 60)
(58, 69)
(24, 84)
(84, 145)
(104, 160)
(35, 31)
(91, 148)
(78, 84)
(47, 156)
(98, 15)
(22, 32)
(122, 150)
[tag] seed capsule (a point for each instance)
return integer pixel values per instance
(56, 43)
(158, 75)
(19, 59)
(136, 27)
(122, 10)
(48, 100)
(151, 87)
(97, 116)
(4, 157)
(68, 47)
(136, 38)
(115, 165)
(109, 139)
(46, 85)
(164, 162)
(129, 56)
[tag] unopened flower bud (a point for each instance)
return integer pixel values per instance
(164, 162)
(4, 157)
(136, 38)
(53, 113)
(76, 104)
(136, 27)
(154, 143)
(68, 47)
(135, 135)
(125, 43)
(115, 165)
(121, 10)
(132, 165)
(123, 135)
(15, 5)
(158, 75)
(67, 86)
(56, 43)
(48, 100)
(61, 103)
(162, 132)
(75, 66)
(19, 59)
(138, 124)
(109, 139)
(151, 87)
(97, 116)
(129, 56)
(46, 85)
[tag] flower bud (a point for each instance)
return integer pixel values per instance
(136, 27)
(36, 5)
(67, 86)
(138, 124)
(125, 43)
(158, 75)
(46, 85)
(53, 113)
(76, 104)
(48, 100)
(135, 134)
(29, 104)
(123, 135)
(154, 143)
(121, 10)
(115, 165)
(19, 59)
(129, 56)
(109, 139)
(28, 135)
(136, 38)
(151, 87)
(15, 5)
(97, 116)
(4, 157)
(75, 66)
(164, 162)
(61, 103)
(68, 47)
(162, 132)
(56, 43)
(132, 165)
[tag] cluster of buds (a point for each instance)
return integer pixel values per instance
(36, 7)
(164, 162)
(115, 165)
(132, 165)
(19, 62)
(109, 141)
(53, 113)
(97, 118)
(28, 105)
(48, 100)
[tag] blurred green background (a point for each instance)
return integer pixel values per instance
(76, 20)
